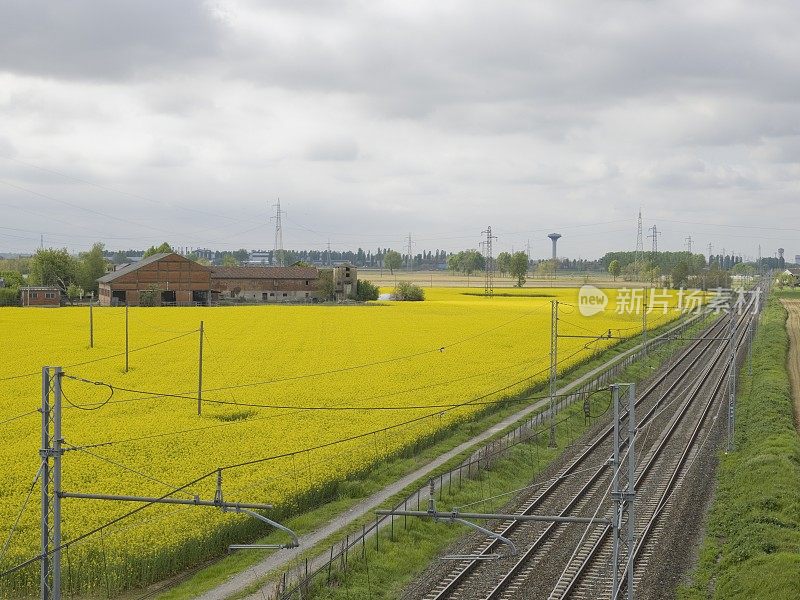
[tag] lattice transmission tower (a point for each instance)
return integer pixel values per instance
(639, 240)
(654, 233)
(278, 258)
(488, 259)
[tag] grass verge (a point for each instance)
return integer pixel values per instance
(752, 544)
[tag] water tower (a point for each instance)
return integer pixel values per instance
(554, 237)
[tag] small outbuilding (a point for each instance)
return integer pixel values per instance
(164, 279)
(44, 295)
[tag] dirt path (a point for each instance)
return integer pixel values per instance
(793, 327)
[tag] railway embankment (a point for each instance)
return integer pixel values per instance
(752, 540)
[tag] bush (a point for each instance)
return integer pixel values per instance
(150, 297)
(365, 290)
(9, 296)
(407, 291)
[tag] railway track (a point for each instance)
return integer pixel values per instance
(569, 561)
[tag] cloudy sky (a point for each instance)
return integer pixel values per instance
(134, 122)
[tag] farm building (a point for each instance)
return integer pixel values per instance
(344, 281)
(266, 284)
(40, 296)
(164, 278)
(279, 284)
(794, 272)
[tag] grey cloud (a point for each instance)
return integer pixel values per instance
(385, 116)
(99, 39)
(334, 149)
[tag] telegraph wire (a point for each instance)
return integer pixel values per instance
(299, 408)
(327, 372)
(20, 416)
(157, 395)
(83, 208)
(295, 409)
(20, 512)
(102, 358)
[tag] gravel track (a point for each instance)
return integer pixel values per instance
(793, 327)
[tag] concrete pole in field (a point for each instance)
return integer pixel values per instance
(126, 336)
(200, 375)
(91, 325)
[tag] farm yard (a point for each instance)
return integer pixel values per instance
(294, 398)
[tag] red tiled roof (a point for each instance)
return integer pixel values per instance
(264, 273)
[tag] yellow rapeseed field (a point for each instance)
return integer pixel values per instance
(454, 347)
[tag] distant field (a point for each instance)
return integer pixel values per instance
(417, 357)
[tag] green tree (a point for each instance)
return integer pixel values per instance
(680, 275)
(12, 279)
(53, 267)
(546, 268)
(91, 266)
(503, 262)
(392, 260)
(74, 292)
(614, 269)
(366, 290)
(9, 296)
(785, 280)
(408, 292)
(163, 248)
(518, 267)
(453, 263)
(119, 257)
(325, 285)
(229, 260)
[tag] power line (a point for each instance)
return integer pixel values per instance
(83, 208)
(102, 358)
(155, 396)
(358, 366)
(20, 513)
(294, 409)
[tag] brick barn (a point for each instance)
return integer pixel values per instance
(40, 296)
(266, 284)
(172, 278)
